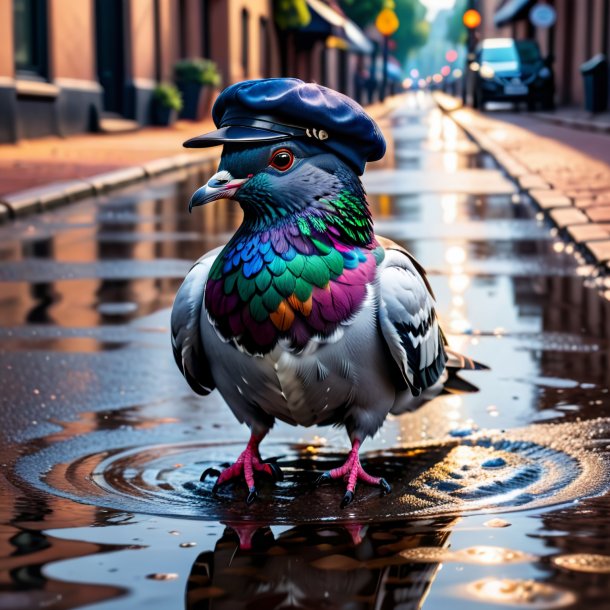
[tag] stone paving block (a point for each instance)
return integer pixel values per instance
(564, 217)
(591, 231)
(584, 202)
(119, 177)
(599, 213)
(600, 250)
(159, 166)
(549, 198)
(44, 197)
(25, 202)
(533, 181)
(64, 192)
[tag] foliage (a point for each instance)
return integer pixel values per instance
(363, 12)
(197, 70)
(168, 96)
(291, 14)
(456, 30)
(413, 30)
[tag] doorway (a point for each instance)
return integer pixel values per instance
(110, 49)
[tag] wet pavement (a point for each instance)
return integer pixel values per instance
(500, 497)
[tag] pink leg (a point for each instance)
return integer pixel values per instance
(248, 462)
(351, 472)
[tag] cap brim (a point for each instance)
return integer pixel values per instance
(236, 134)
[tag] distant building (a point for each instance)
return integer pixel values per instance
(581, 31)
(65, 65)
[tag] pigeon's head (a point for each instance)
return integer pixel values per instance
(288, 145)
(276, 179)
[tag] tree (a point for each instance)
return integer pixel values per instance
(456, 30)
(413, 30)
(291, 14)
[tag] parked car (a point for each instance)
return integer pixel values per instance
(511, 70)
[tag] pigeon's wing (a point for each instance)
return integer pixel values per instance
(186, 333)
(408, 320)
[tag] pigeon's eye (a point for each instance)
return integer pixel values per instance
(282, 159)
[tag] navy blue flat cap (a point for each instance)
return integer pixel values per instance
(277, 109)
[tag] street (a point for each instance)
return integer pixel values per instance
(103, 441)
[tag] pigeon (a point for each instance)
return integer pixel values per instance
(305, 315)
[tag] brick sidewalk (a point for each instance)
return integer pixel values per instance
(566, 172)
(39, 174)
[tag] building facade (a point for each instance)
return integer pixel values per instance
(67, 65)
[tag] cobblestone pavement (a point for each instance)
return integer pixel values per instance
(566, 171)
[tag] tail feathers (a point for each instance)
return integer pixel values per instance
(456, 385)
(458, 362)
(463, 363)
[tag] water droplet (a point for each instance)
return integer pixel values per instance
(496, 523)
(162, 576)
(187, 545)
(497, 462)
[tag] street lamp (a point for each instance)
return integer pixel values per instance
(386, 23)
(472, 20)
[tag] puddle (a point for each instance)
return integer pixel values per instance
(516, 470)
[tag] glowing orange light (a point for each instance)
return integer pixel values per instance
(387, 22)
(472, 19)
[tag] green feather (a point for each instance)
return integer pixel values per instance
(302, 290)
(316, 272)
(263, 280)
(277, 266)
(285, 283)
(245, 287)
(296, 265)
(334, 261)
(257, 308)
(318, 224)
(321, 246)
(230, 281)
(304, 226)
(216, 270)
(272, 299)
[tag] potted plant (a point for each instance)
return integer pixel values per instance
(196, 78)
(167, 103)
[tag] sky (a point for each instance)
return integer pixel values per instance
(436, 5)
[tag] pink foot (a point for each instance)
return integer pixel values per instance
(246, 465)
(351, 472)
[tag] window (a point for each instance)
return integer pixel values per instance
(29, 18)
(245, 40)
(265, 55)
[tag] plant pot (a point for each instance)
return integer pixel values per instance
(163, 115)
(191, 98)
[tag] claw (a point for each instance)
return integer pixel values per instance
(276, 471)
(212, 472)
(385, 487)
(347, 499)
(251, 496)
(323, 478)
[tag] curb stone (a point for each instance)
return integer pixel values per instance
(566, 213)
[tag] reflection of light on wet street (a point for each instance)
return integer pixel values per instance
(584, 562)
(523, 593)
(103, 430)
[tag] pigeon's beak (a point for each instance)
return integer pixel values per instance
(221, 185)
